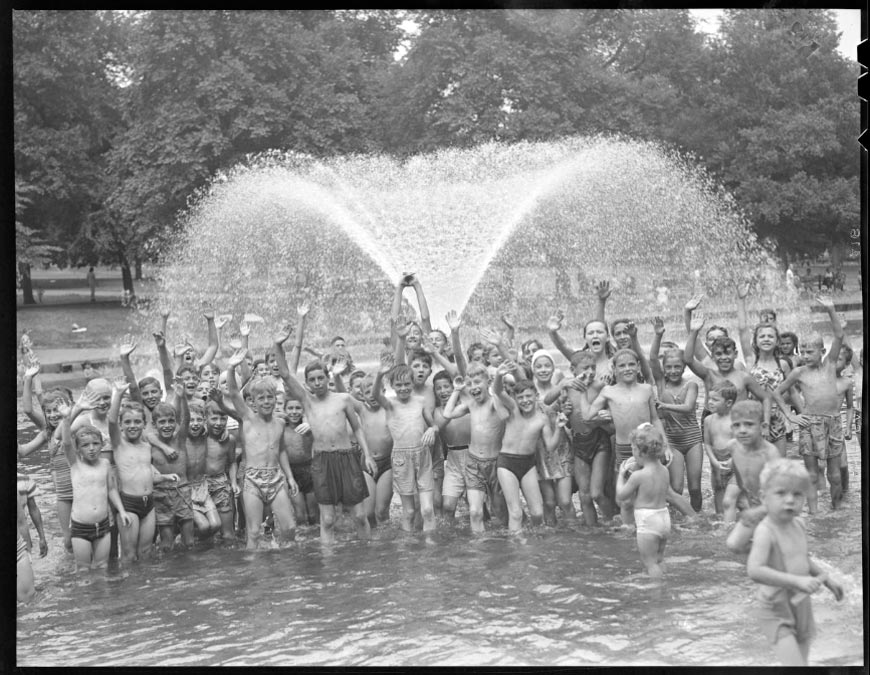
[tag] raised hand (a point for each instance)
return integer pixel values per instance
(165, 313)
(181, 349)
(33, 369)
(490, 336)
(631, 329)
(387, 362)
(244, 329)
(826, 302)
(408, 279)
(694, 301)
(602, 289)
(427, 345)
(88, 400)
(453, 320)
(120, 384)
(554, 323)
(236, 359)
(697, 322)
(160, 339)
(742, 289)
(208, 314)
(303, 308)
(507, 367)
(283, 334)
(215, 394)
(339, 365)
(507, 321)
(128, 344)
(658, 325)
(63, 409)
(459, 383)
(222, 320)
(402, 331)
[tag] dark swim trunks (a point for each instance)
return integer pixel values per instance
(382, 465)
(518, 465)
(338, 478)
(89, 531)
(140, 505)
(302, 475)
(586, 446)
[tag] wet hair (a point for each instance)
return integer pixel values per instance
(814, 339)
(145, 381)
(87, 430)
(211, 406)
(132, 406)
(420, 355)
(354, 376)
(336, 339)
(724, 343)
(674, 353)
(623, 352)
(772, 312)
(312, 366)
(582, 356)
(715, 327)
(197, 408)
(747, 409)
(477, 368)
(726, 389)
(777, 354)
(473, 347)
(163, 410)
(261, 385)
(667, 345)
(522, 385)
(441, 333)
(783, 467)
(441, 375)
(400, 373)
(210, 365)
(648, 441)
(184, 369)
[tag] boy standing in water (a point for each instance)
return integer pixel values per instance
(335, 467)
(220, 467)
(749, 453)
(644, 480)
(780, 564)
(717, 438)
(297, 444)
(821, 434)
(487, 429)
(373, 419)
(267, 477)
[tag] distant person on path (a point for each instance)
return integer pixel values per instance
(789, 279)
(92, 283)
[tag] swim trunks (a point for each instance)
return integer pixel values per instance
(265, 482)
(141, 505)
(382, 465)
(220, 492)
(653, 521)
(26, 487)
(586, 446)
(437, 461)
(454, 471)
(412, 470)
(302, 475)
(623, 452)
(822, 438)
(89, 531)
(780, 617)
(200, 497)
(481, 475)
(518, 465)
(554, 464)
(338, 478)
(720, 479)
(171, 502)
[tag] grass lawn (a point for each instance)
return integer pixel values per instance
(51, 325)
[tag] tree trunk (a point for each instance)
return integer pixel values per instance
(26, 283)
(137, 264)
(126, 276)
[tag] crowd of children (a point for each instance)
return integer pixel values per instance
(228, 443)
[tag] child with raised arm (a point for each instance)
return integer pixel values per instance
(845, 387)
(409, 418)
(267, 470)
(94, 487)
(456, 435)
(524, 427)
(676, 407)
(186, 354)
(487, 429)
(205, 514)
(630, 403)
(643, 480)
(780, 564)
(717, 443)
(821, 433)
(335, 467)
(749, 453)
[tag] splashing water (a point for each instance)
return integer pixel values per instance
(492, 229)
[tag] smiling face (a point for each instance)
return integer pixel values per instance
(626, 368)
(443, 389)
(724, 359)
(216, 422)
(403, 388)
(132, 425)
(596, 336)
(209, 374)
(526, 400)
(543, 367)
(264, 402)
(189, 380)
(151, 395)
(196, 425)
(414, 337)
(766, 339)
(438, 339)
(674, 367)
(531, 347)
(621, 336)
(165, 425)
(478, 388)
(293, 408)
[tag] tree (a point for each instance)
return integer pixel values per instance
(65, 116)
(211, 87)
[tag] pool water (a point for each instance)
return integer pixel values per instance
(568, 596)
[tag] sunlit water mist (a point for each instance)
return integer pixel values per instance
(470, 224)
